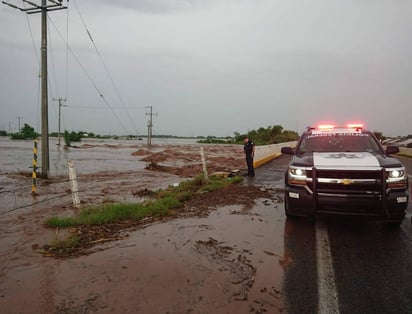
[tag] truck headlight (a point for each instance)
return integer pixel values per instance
(297, 176)
(396, 173)
(396, 178)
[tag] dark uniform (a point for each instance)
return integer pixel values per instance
(249, 149)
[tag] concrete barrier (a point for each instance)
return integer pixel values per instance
(404, 151)
(266, 153)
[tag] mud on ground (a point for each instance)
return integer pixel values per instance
(200, 206)
(198, 272)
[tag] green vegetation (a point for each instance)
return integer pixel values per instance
(72, 137)
(67, 243)
(262, 136)
(379, 135)
(165, 200)
(265, 136)
(103, 223)
(27, 132)
(108, 213)
(271, 135)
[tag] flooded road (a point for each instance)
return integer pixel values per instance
(192, 265)
(108, 170)
(229, 261)
(234, 260)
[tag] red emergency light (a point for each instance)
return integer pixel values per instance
(355, 125)
(326, 126)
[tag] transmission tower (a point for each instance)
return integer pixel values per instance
(43, 8)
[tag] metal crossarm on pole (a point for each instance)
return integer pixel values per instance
(150, 126)
(42, 8)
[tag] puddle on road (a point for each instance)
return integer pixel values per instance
(160, 269)
(199, 265)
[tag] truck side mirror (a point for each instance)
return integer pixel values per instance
(392, 150)
(287, 150)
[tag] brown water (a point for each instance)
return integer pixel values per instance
(227, 262)
(158, 269)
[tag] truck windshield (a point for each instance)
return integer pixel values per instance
(356, 142)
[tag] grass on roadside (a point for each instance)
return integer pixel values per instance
(165, 200)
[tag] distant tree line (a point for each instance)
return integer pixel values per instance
(270, 135)
(379, 135)
(26, 133)
(262, 136)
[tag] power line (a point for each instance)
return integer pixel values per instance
(100, 108)
(38, 62)
(32, 38)
(90, 79)
(52, 63)
(106, 69)
(43, 8)
(67, 52)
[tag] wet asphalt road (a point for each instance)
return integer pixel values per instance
(344, 265)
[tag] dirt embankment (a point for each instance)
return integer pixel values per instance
(200, 206)
(151, 267)
(185, 161)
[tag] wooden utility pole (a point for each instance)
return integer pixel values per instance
(46, 5)
(60, 114)
(18, 119)
(150, 126)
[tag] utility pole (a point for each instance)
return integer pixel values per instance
(18, 119)
(150, 125)
(46, 5)
(60, 105)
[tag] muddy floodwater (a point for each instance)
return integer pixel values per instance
(229, 259)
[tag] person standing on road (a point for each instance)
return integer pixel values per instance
(249, 149)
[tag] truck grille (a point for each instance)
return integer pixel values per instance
(347, 181)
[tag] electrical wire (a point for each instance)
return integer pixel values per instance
(67, 51)
(90, 79)
(60, 195)
(95, 107)
(106, 69)
(49, 37)
(38, 63)
(38, 202)
(32, 37)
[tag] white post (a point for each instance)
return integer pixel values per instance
(73, 184)
(202, 154)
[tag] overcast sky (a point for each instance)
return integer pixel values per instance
(212, 67)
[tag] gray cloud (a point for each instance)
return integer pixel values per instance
(214, 67)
